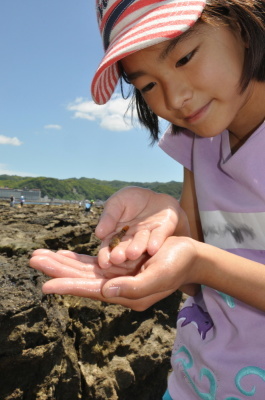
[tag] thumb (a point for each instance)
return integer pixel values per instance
(147, 283)
(110, 217)
(106, 225)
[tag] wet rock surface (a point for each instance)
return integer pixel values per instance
(69, 348)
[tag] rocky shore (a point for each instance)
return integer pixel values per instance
(68, 348)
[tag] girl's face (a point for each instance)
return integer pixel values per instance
(193, 81)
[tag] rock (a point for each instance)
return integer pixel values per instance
(68, 348)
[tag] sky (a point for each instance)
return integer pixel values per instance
(49, 124)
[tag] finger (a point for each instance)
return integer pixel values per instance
(116, 256)
(151, 281)
(74, 260)
(41, 251)
(132, 267)
(83, 258)
(104, 257)
(138, 245)
(58, 268)
(110, 216)
(75, 287)
(122, 207)
(93, 290)
(157, 238)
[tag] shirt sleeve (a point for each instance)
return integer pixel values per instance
(179, 146)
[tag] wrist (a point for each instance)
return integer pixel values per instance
(199, 270)
(188, 259)
(207, 269)
(183, 226)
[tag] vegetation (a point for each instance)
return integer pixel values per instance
(83, 188)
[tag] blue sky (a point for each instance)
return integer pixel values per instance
(49, 125)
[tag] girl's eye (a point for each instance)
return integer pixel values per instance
(186, 59)
(148, 87)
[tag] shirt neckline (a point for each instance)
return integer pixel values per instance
(227, 153)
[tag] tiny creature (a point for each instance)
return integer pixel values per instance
(115, 240)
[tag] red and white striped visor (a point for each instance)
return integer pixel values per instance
(127, 26)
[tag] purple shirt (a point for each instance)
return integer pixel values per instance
(219, 351)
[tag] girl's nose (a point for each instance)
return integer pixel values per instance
(176, 94)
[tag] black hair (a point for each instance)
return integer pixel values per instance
(246, 15)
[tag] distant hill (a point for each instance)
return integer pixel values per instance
(83, 188)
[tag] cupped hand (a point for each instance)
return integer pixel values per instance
(79, 275)
(173, 267)
(151, 217)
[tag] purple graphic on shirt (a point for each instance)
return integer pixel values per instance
(195, 315)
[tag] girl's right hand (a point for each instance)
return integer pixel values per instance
(152, 217)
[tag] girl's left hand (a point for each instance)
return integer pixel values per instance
(156, 277)
(67, 264)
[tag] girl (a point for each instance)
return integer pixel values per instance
(201, 66)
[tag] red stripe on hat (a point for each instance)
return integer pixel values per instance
(110, 85)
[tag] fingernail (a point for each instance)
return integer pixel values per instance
(112, 291)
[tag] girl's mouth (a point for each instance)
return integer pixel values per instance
(197, 115)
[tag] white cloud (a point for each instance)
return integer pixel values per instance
(14, 141)
(51, 126)
(114, 122)
(110, 116)
(4, 170)
(83, 115)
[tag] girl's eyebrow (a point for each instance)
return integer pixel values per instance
(164, 53)
(173, 42)
(134, 75)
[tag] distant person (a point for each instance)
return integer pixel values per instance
(22, 200)
(87, 206)
(12, 201)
